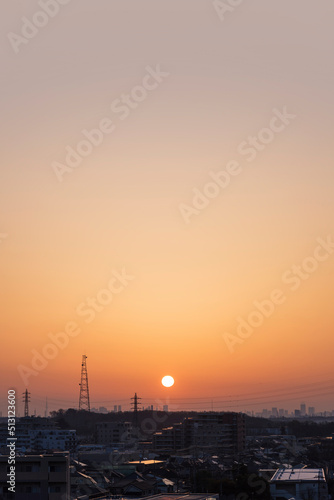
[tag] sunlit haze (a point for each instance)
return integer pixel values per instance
(191, 232)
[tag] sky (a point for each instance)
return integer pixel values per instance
(167, 177)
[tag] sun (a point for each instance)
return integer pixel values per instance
(167, 381)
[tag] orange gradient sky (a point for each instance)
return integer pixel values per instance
(120, 208)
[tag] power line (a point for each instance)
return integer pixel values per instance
(257, 398)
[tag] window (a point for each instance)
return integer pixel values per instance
(287, 486)
(54, 488)
(33, 488)
(55, 468)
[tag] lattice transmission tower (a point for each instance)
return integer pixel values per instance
(84, 403)
(26, 400)
(135, 407)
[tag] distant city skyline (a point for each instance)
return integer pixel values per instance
(260, 409)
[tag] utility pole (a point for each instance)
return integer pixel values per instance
(26, 400)
(84, 403)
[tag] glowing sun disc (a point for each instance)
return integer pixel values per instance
(167, 381)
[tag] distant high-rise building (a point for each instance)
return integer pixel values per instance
(119, 407)
(110, 433)
(303, 409)
(274, 412)
(217, 430)
(311, 411)
(297, 413)
(165, 407)
(281, 412)
(115, 408)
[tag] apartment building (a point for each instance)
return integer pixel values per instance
(225, 431)
(37, 477)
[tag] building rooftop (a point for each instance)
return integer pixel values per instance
(180, 496)
(146, 462)
(174, 496)
(296, 475)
